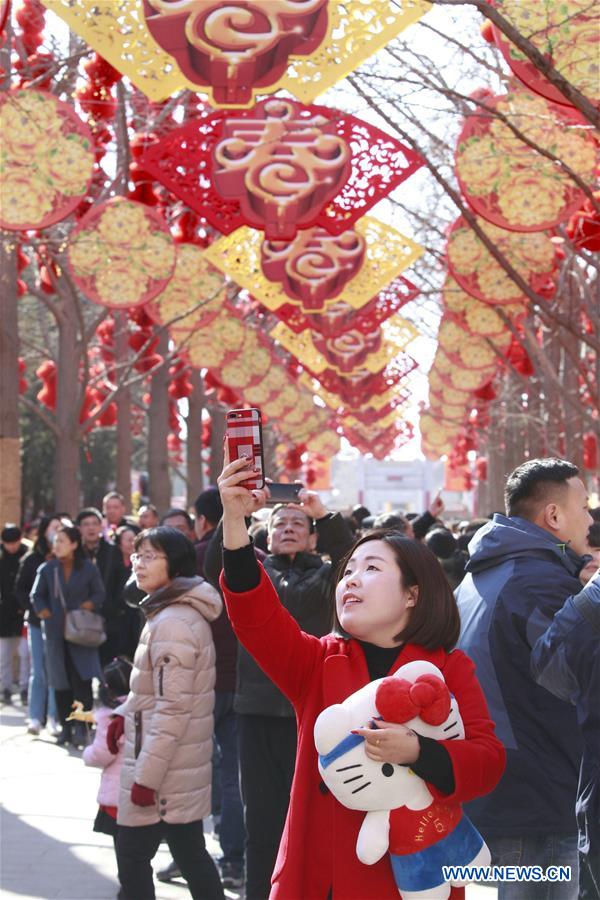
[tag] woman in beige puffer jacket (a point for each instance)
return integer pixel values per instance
(165, 788)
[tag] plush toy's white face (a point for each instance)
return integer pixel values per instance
(359, 782)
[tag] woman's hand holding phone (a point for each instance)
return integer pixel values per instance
(238, 502)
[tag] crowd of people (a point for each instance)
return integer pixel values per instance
(227, 633)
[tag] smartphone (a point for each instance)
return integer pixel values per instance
(283, 493)
(243, 430)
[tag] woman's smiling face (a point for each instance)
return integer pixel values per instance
(372, 603)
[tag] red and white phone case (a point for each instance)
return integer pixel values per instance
(244, 438)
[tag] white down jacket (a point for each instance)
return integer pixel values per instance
(169, 711)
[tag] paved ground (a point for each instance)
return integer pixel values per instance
(47, 846)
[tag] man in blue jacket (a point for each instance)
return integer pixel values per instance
(522, 568)
(566, 661)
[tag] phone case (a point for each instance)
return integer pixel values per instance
(244, 438)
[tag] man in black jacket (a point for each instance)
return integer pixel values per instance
(266, 721)
(12, 550)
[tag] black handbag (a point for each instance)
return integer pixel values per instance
(82, 626)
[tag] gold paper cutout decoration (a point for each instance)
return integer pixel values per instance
(195, 294)
(508, 182)
(532, 254)
(46, 160)
(117, 30)
(565, 32)
(382, 423)
(121, 254)
(388, 254)
(303, 348)
(212, 346)
(326, 444)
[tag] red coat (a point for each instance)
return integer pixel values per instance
(318, 848)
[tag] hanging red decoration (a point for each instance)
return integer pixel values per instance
(486, 392)
(584, 226)
(31, 20)
(510, 183)
(315, 266)
(340, 317)
(348, 351)
(47, 395)
(33, 70)
(180, 385)
(471, 264)
(519, 359)
(23, 385)
(293, 458)
(121, 254)
(107, 418)
(4, 11)
(565, 33)
(234, 51)
(265, 167)
(48, 159)
(88, 403)
(590, 451)
(143, 189)
(360, 385)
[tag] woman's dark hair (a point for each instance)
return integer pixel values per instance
(74, 535)
(116, 677)
(179, 550)
(434, 621)
(122, 529)
(41, 545)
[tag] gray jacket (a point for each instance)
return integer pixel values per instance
(84, 584)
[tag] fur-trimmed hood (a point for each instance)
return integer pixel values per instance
(194, 591)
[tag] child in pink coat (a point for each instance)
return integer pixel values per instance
(113, 692)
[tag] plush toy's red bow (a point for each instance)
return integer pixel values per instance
(399, 700)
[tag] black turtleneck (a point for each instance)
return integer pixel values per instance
(434, 764)
(379, 659)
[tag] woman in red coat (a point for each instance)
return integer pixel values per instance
(393, 606)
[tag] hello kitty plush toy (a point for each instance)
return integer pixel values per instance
(421, 834)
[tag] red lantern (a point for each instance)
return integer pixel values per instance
(47, 395)
(518, 357)
(22, 380)
(481, 468)
(590, 451)
(584, 226)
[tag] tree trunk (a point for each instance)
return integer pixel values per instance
(123, 401)
(68, 408)
(195, 477)
(158, 432)
(10, 460)
(217, 415)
